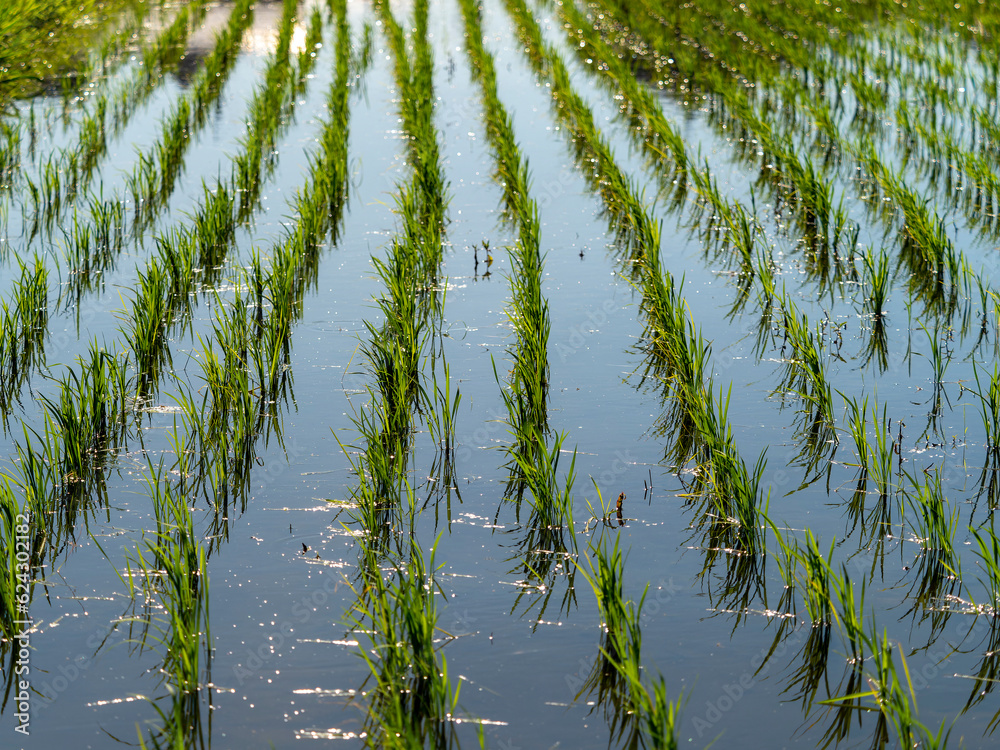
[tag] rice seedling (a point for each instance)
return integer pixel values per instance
(988, 392)
(857, 417)
(443, 412)
(638, 711)
(722, 477)
(411, 699)
(23, 330)
(988, 552)
(87, 419)
(874, 461)
(528, 311)
(171, 569)
(815, 581)
(895, 699)
(10, 154)
(876, 274)
(145, 327)
(621, 643)
(932, 525)
(552, 502)
(394, 351)
(679, 357)
(805, 366)
(850, 613)
(20, 542)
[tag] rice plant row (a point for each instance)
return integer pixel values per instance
(528, 311)
(411, 700)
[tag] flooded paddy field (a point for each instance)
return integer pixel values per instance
(503, 374)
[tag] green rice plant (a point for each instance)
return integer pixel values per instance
(875, 461)
(660, 717)
(639, 712)
(443, 412)
(989, 410)
(527, 399)
(79, 243)
(38, 480)
(620, 617)
(411, 700)
(269, 109)
(850, 613)
(939, 354)
(814, 583)
(170, 148)
(145, 327)
(677, 356)
(109, 225)
(723, 479)
(87, 419)
(214, 227)
(933, 527)
(857, 417)
(394, 355)
(883, 450)
(988, 552)
(805, 366)
(551, 499)
(142, 185)
(876, 274)
(171, 569)
(177, 257)
(19, 540)
(528, 311)
(766, 294)
(410, 301)
(925, 246)
(895, 701)
(382, 487)
(10, 154)
(23, 330)
(92, 245)
(621, 642)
